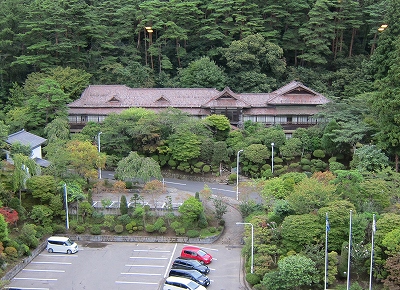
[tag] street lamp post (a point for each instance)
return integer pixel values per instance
(272, 157)
(237, 174)
(98, 147)
(66, 205)
(252, 244)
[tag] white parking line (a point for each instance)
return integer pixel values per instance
(136, 282)
(23, 288)
(155, 251)
(170, 261)
(56, 255)
(57, 263)
(36, 279)
(33, 270)
(149, 258)
(144, 274)
(213, 188)
(152, 266)
(174, 183)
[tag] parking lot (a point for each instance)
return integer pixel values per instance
(123, 266)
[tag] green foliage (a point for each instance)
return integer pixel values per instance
(80, 229)
(299, 230)
(191, 209)
(252, 278)
(3, 229)
(319, 153)
(149, 228)
(193, 233)
(119, 229)
(135, 167)
(369, 158)
(28, 237)
(95, 230)
(123, 207)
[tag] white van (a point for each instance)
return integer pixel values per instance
(61, 245)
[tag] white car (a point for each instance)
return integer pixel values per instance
(181, 283)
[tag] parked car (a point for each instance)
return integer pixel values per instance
(193, 275)
(183, 283)
(196, 253)
(190, 264)
(61, 245)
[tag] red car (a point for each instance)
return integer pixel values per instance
(190, 252)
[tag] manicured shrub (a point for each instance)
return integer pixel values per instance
(95, 230)
(180, 231)
(119, 229)
(193, 233)
(59, 229)
(80, 229)
(221, 223)
(252, 279)
(149, 228)
(11, 252)
(162, 230)
(124, 219)
(109, 221)
(160, 222)
(203, 220)
(319, 153)
(97, 217)
(232, 178)
(130, 227)
(206, 168)
(123, 207)
(212, 229)
(305, 161)
(175, 225)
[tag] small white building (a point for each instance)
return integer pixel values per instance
(28, 139)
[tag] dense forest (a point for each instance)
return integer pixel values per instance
(51, 50)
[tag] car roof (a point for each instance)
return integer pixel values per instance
(178, 279)
(193, 248)
(57, 238)
(191, 271)
(191, 261)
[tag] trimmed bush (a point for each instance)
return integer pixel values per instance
(193, 233)
(95, 230)
(206, 168)
(80, 229)
(180, 231)
(160, 222)
(150, 228)
(162, 230)
(59, 229)
(11, 252)
(212, 230)
(305, 161)
(119, 229)
(252, 279)
(175, 225)
(319, 153)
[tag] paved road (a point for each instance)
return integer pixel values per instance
(196, 186)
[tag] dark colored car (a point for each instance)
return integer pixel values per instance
(193, 275)
(190, 264)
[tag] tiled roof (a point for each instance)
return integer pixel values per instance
(105, 99)
(26, 138)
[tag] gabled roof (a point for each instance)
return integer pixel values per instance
(25, 138)
(296, 93)
(226, 98)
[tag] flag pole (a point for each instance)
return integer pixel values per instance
(372, 251)
(327, 228)
(349, 255)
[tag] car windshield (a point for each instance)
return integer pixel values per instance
(69, 242)
(196, 274)
(193, 285)
(201, 253)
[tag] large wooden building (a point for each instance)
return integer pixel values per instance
(292, 106)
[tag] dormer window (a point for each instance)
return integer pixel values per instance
(114, 100)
